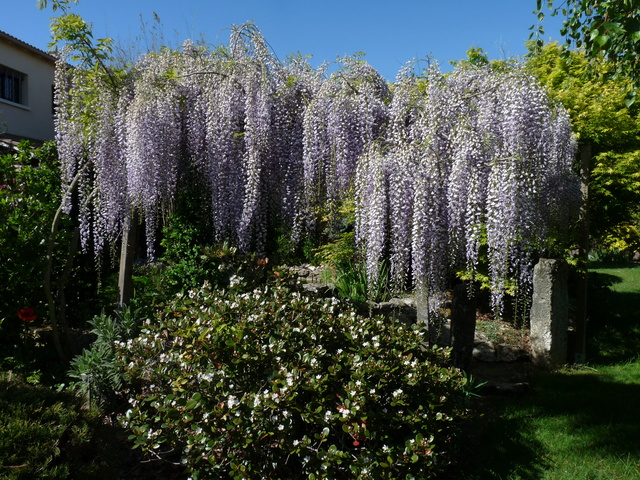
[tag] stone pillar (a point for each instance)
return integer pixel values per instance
(438, 327)
(549, 313)
(463, 325)
(127, 257)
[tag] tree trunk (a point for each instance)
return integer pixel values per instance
(61, 300)
(580, 341)
(127, 256)
(47, 273)
(463, 325)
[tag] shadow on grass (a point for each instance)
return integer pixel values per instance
(568, 421)
(49, 434)
(500, 447)
(614, 319)
(581, 423)
(600, 411)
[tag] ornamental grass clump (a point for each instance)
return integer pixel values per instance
(274, 384)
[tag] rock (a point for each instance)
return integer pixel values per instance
(549, 313)
(483, 349)
(402, 309)
(307, 273)
(501, 378)
(319, 289)
(504, 388)
(511, 353)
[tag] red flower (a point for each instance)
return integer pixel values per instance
(27, 314)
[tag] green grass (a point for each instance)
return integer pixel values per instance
(613, 326)
(579, 423)
(47, 434)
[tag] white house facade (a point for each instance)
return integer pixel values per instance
(26, 91)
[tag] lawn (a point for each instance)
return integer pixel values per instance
(613, 327)
(578, 423)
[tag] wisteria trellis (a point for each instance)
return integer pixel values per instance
(436, 161)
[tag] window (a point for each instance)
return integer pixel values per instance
(11, 85)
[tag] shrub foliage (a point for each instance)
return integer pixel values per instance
(274, 384)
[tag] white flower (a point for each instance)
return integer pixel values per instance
(397, 392)
(232, 401)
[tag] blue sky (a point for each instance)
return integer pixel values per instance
(390, 33)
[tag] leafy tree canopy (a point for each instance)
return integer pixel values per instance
(596, 104)
(72, 33)
(605, 29)
(478, 58)
(599, 115)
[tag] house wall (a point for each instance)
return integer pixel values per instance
(34, 119)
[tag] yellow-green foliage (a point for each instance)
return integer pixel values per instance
(596, 105)
(600, 116)
(615, 193)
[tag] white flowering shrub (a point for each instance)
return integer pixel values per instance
(274, 384)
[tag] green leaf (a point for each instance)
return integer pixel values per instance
(601, 40)
(630, 99)
(613, 27)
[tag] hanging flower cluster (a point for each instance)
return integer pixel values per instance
(440, 164)
(473, 157)
(268, 142)
(347, 113)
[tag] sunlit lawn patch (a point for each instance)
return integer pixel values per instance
(579, 423)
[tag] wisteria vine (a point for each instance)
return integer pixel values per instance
(475, 158)
(440, 164)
